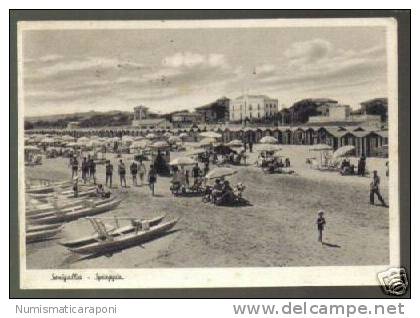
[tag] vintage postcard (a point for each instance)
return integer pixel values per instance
(228, 153)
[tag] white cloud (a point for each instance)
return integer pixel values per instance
(53, 65)
(308, 51)
(190, 60)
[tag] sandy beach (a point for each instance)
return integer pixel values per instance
(277, 229)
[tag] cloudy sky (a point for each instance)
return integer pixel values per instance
(167, 69)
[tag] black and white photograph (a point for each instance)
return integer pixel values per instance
(208, 153)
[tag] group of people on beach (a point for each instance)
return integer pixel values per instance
(87, 167)
(136, 168)
(181, 181)
(88, 172)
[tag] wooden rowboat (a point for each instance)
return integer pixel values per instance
(82, 205)
(68, 194)
(61, 217)
(36, 228)
(48, 188)
(113, 233)
(62, 204)
(120, 242)
(42, 235)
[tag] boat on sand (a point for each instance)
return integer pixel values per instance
(42, 235)
(114, 232)
(112, 244)
(67, 216)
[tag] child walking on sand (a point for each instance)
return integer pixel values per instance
(321, 223)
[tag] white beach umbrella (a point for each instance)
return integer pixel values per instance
(210, 134)
(183, 135)
(127, 139)
(93, 143)
(167, 134)
(67, 138)
(235, 143)
(343, 151)
(83, 140)
(31, 148)
(220, 173)
(151, 136)
(207, 142)
(48, 140)
(160, 144)
(182, 161)
(138, 138)
(72, 144)
(174, 139)
(268, 140)
(195, 152)
(141, 144)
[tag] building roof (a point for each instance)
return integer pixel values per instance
(254, 96)
(150, 121)
(186, 114)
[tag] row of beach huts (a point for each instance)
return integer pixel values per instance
(368, 141)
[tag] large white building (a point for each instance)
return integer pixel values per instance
(338, 113)
(252, 107)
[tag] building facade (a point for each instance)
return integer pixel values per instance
(152, 123)
(252, 107)
(216, 112)
(73, 125)
(185, 119)
(342, 114)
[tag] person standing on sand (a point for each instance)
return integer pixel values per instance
(76, 186)
(321, 223)
(109, 169)
(74, 167)
(187, 178)
(206, 168)
(84, 169)
(196, 172)
(374, 189)
(133, 170)
(121, 172)
(88, 167)
(92, 170)
(142, 171)
(152, 179)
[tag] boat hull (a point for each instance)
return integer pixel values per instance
(72, 216)
(120, 231)
(125, 241)
(37, 236)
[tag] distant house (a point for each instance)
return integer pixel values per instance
(216, 112)
(337, 114)
(185, 119)
(73, 125)
(252, 107)
(152, 123)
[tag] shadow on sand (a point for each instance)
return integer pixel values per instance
(331, 245)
